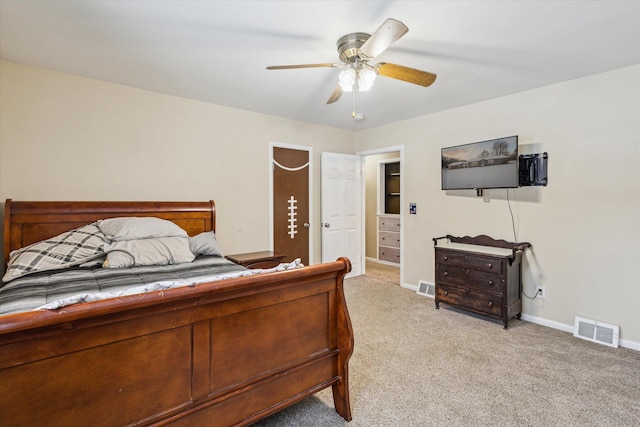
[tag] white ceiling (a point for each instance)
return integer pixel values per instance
(217, 51)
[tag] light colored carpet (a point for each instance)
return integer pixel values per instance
(383, 272)
(414, 365)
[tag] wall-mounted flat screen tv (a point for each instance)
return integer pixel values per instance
(480, 165)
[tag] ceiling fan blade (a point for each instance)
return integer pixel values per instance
(337, 93)
(289, 67)
(390, 31)
(406, 74)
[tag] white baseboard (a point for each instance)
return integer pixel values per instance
(409, 286)
(379, 261)
(630, 344)
(569, 328)
(547, 323)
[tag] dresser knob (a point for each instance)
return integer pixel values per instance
(491, 283)
(489, 265)
(490, 304)
(445, 258)
(446, 273)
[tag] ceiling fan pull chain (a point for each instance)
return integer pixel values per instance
(353, 102)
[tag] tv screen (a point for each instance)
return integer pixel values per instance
(480, 165)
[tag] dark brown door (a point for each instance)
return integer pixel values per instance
(291, 203)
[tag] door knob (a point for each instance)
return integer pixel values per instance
(326, 224)
(306, 225)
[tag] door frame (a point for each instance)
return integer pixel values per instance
(311, 195)
(363, 154)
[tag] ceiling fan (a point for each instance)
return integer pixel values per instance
(356, 50)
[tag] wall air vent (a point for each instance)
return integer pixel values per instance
(599, 332)
(427, 289)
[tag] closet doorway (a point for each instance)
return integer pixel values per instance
(383, 211)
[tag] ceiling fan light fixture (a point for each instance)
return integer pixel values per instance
(366, 77)
(356, 50)
(347, 79)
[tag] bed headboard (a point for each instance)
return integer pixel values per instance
(30, 222)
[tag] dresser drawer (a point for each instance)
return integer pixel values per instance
(469, 298)
(387, 238)
(465, 276)
(389, 254)
(388, 223)
(469, 261)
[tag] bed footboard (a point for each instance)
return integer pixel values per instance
(217, 354)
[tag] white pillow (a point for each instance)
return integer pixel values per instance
(205, 244)
(161, 251)
(131, 228)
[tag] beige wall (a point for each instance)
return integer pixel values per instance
(584, 226)
(64, 137)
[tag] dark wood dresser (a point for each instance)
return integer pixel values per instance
(480, 274)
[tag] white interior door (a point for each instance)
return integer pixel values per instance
(341, 179)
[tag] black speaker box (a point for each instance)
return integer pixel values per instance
(533, 169)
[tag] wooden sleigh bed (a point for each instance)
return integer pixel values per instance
(223, 353)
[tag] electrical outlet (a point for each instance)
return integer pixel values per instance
(540, 292)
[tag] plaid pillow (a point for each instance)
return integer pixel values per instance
(66, 250)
